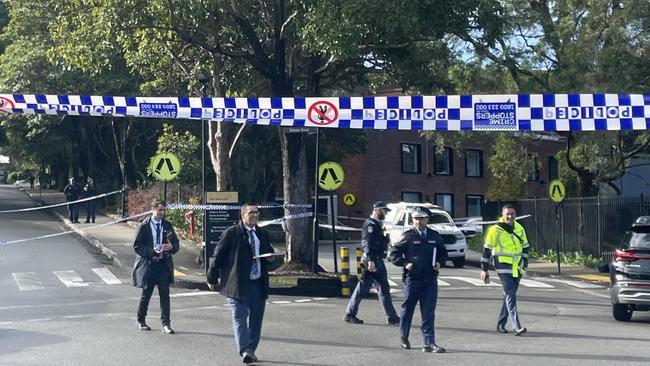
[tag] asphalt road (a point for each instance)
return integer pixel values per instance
(49, 317)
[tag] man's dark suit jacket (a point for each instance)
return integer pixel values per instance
(230, 264)
(143, 246)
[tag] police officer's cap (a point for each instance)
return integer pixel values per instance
(419, 214)
(381, 205)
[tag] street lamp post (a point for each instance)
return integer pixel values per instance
(314, 255)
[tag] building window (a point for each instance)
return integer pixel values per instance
(443, 161)
(533, 167)
(412, 197)
(446, 201)
(411, 158)
(553, 170)
(473, 204)
(473, 163)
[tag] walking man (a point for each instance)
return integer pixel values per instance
(507, 244)
(155, 243)
(237, 269)
(420, 252)
(90, 190)
(374, 251)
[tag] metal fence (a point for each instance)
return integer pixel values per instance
(591, 225)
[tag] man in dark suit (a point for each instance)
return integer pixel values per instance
(155, 242)
(243, 278)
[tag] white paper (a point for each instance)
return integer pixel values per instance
(268, 255)
(435, 252)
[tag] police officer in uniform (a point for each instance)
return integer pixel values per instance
(420, 253)
(506, 242)
(374, 251)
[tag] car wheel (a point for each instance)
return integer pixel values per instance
(458, 262)
(622, 312)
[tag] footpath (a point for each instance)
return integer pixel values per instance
(115, 242)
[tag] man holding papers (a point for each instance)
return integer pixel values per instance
(420, 252)
(238, 268)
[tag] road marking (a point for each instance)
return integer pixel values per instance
(107, 276)
(319, 298)
(392, 283)
(184, 268)
(178, 273)
(70, 279)
(577, 284)
(281, 302)
(302, 300)
(27, 281)
(593, 277)
(474, 281)
(443, 283)
(534, 284)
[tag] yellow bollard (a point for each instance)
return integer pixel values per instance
(359, 253)
(345, 272)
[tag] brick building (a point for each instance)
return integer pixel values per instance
(402, 166)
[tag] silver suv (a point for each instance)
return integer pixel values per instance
(630, 272)
(399, 219)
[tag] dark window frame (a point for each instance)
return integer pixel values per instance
(418, 158)
(453, 203)
(480, 164)
(450, 160)
(533, 159)
(412, 192)
(550, 168)
(479, 196)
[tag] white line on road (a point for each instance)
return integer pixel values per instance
(70, 279)
(392, 283)
(534, 284)
(577, 284)
(473, 281)
(107, 276)
(302, 300)
(443, 283)
(27, 281)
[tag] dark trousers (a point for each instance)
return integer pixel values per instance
(159, 277)
(509, 304)
(90, 211)
(427, 293)
(247, 317)
(73, 212)
(363, 287)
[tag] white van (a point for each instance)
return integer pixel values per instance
(398, 220)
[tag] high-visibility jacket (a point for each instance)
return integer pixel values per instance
(509, 249)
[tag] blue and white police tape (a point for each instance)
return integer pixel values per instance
(281, 220)
(62, 204)
(197, 207)
(8, 242)
(509, 112)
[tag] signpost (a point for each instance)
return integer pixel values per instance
(217, 221)
(165, 167)
(330, 178)
(557, 192)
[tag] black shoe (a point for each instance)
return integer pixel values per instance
(142, 326)
(521, 331)
(404, 343)
(167, 329)
(501, 328)
(249, 358)
(432, 348)
(352, 319)
(393, 321)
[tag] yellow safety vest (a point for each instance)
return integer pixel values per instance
(506, 247)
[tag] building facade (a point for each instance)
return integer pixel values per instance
(403, 166)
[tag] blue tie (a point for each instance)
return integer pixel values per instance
(254, 270)
(157, 241)
(423, 235)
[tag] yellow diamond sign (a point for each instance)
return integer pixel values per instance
(165, 166)
(330, 176)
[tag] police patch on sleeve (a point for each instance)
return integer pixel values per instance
(371, 228)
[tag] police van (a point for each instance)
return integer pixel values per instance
(399, 220)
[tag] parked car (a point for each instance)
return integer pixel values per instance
(630, 272)
(470, 226)
(399, 220)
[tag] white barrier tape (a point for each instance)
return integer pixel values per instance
(281, 220)
(8, 242)
(339, 227)
(62, 204)
(198, 207)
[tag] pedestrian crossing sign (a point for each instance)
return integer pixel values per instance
(165, 166)
(330, 176)
(557, 191)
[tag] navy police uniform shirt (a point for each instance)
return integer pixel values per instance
(413, 248)
(373, 240)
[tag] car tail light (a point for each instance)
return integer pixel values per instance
(623, 256)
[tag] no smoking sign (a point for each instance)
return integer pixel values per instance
(322, 113)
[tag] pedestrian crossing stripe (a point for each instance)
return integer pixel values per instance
(525, 282)
(28, 281)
